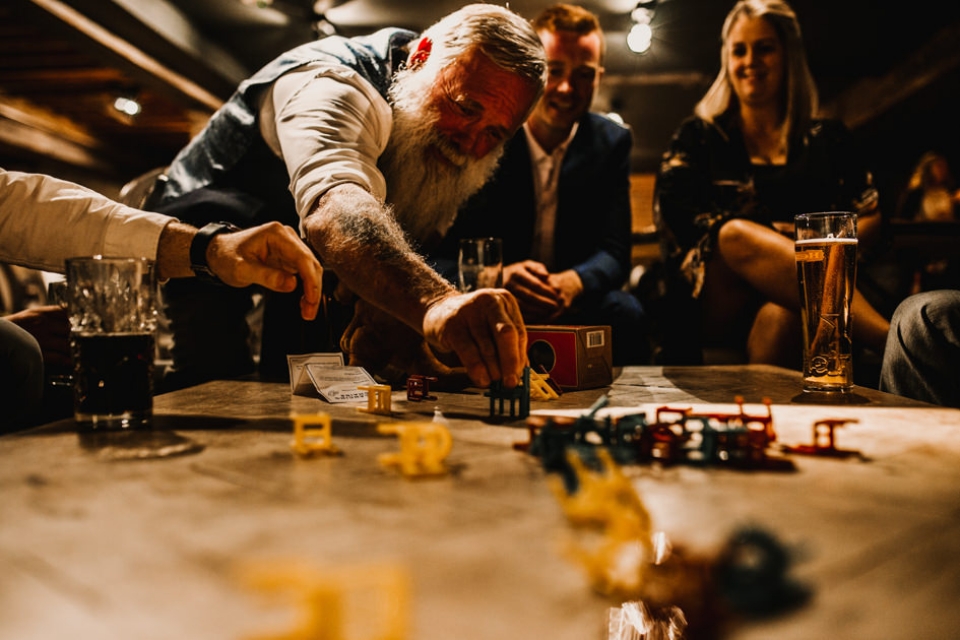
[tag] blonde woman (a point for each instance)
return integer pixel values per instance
(752, 156)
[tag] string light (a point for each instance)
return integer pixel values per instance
(640, 36)
(127, 106)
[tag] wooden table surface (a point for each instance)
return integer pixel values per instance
(98, 543)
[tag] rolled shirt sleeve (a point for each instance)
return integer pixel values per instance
(44, 221)
(330, 126)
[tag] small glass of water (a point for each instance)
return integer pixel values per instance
(480, 263)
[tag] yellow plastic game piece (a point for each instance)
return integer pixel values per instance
(379, 397)
(370, 600)
(307, 442)
(539, 388)
(607, 502)
(423, 448)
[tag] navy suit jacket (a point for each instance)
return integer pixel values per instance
(593, 225)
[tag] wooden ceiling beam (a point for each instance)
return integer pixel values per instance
(129, 53)
(68, 147)
(84, 77)
(33, 116)
(872, 97)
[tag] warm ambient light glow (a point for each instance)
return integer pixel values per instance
(128, 52)
(641, 34)
(324, 27)
(639, 38)
(127, 106)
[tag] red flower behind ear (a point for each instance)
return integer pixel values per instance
(422, 53)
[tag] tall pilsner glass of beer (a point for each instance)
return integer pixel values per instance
(826, 251)
(112, 305)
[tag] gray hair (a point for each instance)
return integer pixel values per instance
(800, 99)
(504, 37)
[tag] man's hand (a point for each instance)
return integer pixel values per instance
(528, 281)
(50, 326)
(485, 330)
(271, 255)
(569, 285)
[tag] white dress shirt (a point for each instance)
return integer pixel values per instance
(330, 126)
(44, 221)
(546, 176)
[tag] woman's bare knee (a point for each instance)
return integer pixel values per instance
(775, 337)
(761, 257)
(737, 241)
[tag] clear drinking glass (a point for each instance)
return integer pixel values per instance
(112, 305)
(480, 263)
(826, 252)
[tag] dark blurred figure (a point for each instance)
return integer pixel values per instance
(932, 196)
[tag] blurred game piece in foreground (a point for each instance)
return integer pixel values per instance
(423, 448)
(316, 440)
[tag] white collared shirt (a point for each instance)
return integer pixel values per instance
(329, 125)
(45, 220)
(546, 176)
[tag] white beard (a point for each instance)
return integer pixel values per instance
(424, 192)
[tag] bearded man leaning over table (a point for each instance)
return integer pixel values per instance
(369, 144)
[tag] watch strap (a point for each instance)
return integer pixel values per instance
(200, 244)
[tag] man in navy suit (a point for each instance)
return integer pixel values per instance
(560, 198)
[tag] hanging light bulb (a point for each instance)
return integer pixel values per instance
(127, 105)
(640, 36)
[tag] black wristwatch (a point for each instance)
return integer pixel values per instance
(198, 249)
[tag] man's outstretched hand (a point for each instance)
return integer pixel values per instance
(485, 330)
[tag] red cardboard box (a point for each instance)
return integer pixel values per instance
(575, 356)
